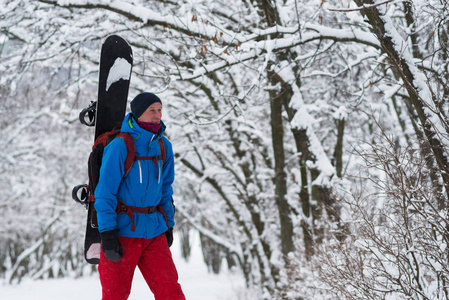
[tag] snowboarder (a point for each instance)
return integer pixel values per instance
(135, 211)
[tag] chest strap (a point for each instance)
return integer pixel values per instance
(129, 210)
(156, 158)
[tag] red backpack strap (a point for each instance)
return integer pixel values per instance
(162, 148)
(130, 150)
(162, 211)
(105, 138)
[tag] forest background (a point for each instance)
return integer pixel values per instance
(311, 136)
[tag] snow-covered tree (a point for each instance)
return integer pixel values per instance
(269, 105)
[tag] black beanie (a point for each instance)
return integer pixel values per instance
(141, 102)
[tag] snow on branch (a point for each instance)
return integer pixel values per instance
(418, 83)
(302, 120)
(185, 24)
(252, 45)
(252, 50)
(366, 6)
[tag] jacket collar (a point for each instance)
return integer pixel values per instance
(139, 134)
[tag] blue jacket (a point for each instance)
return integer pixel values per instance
(140, 187)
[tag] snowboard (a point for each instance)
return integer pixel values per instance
(105, 114)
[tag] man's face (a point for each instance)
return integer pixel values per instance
(153, 114)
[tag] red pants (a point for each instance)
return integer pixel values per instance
(153, 257)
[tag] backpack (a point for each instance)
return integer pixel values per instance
(96, 156)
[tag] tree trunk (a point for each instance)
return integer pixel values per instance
(404, 69)
(277, 132)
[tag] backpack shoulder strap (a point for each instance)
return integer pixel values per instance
(162, 148)
(130, 150)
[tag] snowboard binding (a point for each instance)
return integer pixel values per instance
(80, 194)
(87, 115)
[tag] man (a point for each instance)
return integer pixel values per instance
(135, 211)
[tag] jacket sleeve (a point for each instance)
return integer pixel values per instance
(168, 177)
(111, 174)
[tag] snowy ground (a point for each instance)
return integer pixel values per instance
(196, 281)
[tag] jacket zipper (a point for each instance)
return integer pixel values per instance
(140, 166)
(159, 171)
(140, 171)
